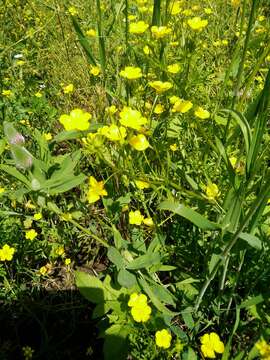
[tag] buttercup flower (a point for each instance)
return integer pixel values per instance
(131, 73)
(95, 70)
(175, 8)
(163, 338)
(132, 118)
(140, 310)
(31, 234)
(182, 106)
(147, 50)
(37, 216)
(208, 11)
(2, 190)
(111, 109)
(68, 88)
(160, 31)
(76, 120)
(48, 136)
(173, 99)
(161, 86)
(96, 190)
(202, 113)
(211, 344)
(212, 191)
(173, 147)
(174, 68)
(6, 253)
(137, 300)
(135, 217)
(159, 109)
(264, 349)
(148, 221)
(196, 23)
(67, 261)
(138, 27)
(139, 142)
(113, 132)
(142, 184)
(7, 93)
(72, 10)
(43, 270)
(91, 33)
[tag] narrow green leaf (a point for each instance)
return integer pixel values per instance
(15, 173)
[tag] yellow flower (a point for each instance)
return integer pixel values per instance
(111, 109)
(211, 344)
(131, 73)
(31, 234)
(142, 184)
(7, 93)
(72, 10)
(66, 216)
(60, 251)
(67, 261)
(208, 11)
(264, 349)
(91, 32)
(196, 23)
(261, 18)
(174, 68)
(113, 132)
(2, 190)
(202, 113)
(76, 120)
(68, 88)
(173, 99)
(212, 191)
(159, 109)
(160, 31)
(38, 94)
(233, 161)
(161, 86)
(235, 3)
(137, 300)
(43, 270)
(135, 217)
(182, 106)
(6, 253)
(148, 221)
(138, 27)
(132, 118)
(187, 12)
(173, 147)
(37, 216)
(96, 190)
(27, 352)
(141, 313)
(163, 338)
(147, 50)
(48, 136)
(139, 142)
(176, 8)
(132, 17)
(95, 70)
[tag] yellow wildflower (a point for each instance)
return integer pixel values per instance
(67, 261)
(132, 17)
(111, 109)
(37, 216)
(38, 94)
(159, 32)
(113, 132)
(174, 147)
(76, 120)
(2, 190)
(174, 68)
(212, 191)
(72, 10)
(208, 11)
(163, 338)
(264, 349)
(138, 27)
(91, 32)
(6, 253)
(131, 73)
(135, 217)
(139, 142)
(142, 184)
(202, 113)
(31, 234)
(173, 99)
(261, 18)
(43, 270)
(7, 93)
(95, 70)
(60, 251)
(96, 190)
(159, 109)
(137, 300)
(175, 8)
(140, 310)
(161, 86)
(148, 221)
(132, 118)
(196, 23)
(48, 136)
(68, 88)
(147, 50)
(211, 344)
(182, 106)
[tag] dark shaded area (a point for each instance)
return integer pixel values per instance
(56, 324)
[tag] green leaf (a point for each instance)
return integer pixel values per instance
(119, 242)
(2, 146)
(144, 261)
(115, 345)
(22, 157)
(15, 173)
(187, 317)
(90, 287)
(250, 302)
(190, 354)
(251, 240)
(126, 278)
(189, 214)
(116, 258)
(70, 183)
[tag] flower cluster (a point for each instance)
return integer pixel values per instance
(136, 218)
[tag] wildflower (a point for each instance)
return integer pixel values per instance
(147, 50)
(6, 253)
(173, 99)
(159, 109)
(37, 216)
(161, 86)
(196, 23)
(182, 106)
(60, 251)
(139, 142)
(76, 120)
(202, 113)
(208, 11)
(72, 10)
(91, 33)
(212, 191)
(132, 17)
(2, 190)
(96, 190)
(48, 136)
(38, 94)
(68, 88)
(135, 217)
(142, 184)
(140, 310)
(175, 8)
(137, 300)
(187, 12)
(95, 70)
(174, 68)
(148, 221)
(163, 338)
(67, 261)
(31, 234)
(7, 93)
(173, 147)
(113, 132)
(43, 270)
(211, 344)
(235, 3)
(138, 27)
(261, 18)
(27, 352)
(160, 31)
(111, 109)
(264, 349)
(131, 73)
(132, 118)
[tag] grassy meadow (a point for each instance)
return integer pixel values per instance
(134, 179)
